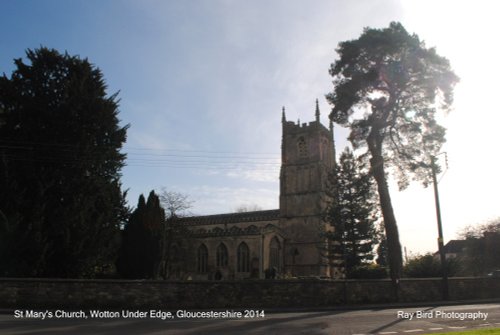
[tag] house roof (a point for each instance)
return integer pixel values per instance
(454, 246)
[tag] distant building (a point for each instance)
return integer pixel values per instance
(475, 255)
(271, 243)
(454, 249)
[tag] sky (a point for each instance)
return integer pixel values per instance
(202, 84)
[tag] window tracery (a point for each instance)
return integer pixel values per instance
(222, 255)
(202, 258)
(243, 254)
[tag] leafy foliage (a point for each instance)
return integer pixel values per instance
(60, 200)
(428, 266)
(351, 214)
(388, 88)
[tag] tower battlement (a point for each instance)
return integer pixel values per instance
(292, 126)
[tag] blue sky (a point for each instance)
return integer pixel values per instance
(202, 84)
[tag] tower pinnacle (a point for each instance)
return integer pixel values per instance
(283, 117)
(317, 111)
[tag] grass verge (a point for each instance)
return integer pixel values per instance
(488, 331)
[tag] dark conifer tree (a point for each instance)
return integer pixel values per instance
(140, 252)
(382, 250)
(61, 205)
(351, 214)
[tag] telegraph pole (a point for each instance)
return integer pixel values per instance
(440, 230)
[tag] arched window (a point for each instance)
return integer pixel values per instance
(302, 147)
(274, 253)
(243, 258)
(174, 255)
(202, 258)
(222, 255)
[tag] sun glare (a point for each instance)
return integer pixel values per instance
(464, 33)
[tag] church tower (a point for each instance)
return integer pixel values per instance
(307, 157)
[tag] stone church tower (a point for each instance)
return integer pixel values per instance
(278, 243)
(307, 157)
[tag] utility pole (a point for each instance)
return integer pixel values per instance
(440, 230)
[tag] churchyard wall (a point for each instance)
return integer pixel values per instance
(76, 293)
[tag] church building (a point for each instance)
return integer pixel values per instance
(280, 243)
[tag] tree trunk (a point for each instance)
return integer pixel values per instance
(391, 229)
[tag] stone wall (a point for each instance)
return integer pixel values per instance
(72, 293)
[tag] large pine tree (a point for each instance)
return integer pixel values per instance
(388, 88)
(61, 203)
(351, 214)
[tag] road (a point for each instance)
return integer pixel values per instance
(393, 321)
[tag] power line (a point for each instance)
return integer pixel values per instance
(207, 164)
(30, 145)
(72, 154)
(202, 151)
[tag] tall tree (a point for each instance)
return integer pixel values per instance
(60, 199)
(387, 89)
(140, 252)
(351, 214)
(176, 205)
